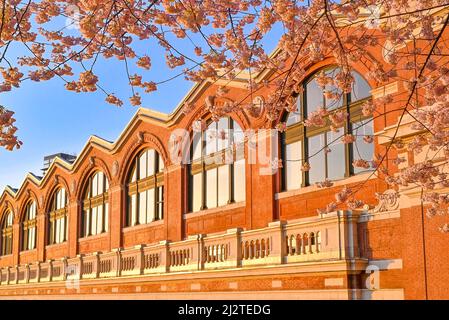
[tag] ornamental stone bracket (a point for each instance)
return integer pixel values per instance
(388, 201)
(388, 207)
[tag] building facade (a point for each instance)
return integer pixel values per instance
(140, 218)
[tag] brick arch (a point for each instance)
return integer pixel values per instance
(313, 69)
(95, 165)
(7, 207)
(201, 111)
(143, 141)
(59, 182)
(31, 196)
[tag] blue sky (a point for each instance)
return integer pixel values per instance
(51, 119)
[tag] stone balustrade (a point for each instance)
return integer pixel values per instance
(331, 237)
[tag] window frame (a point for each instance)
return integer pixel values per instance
(7, 233)
(233, 153)
(91, 202)
(154, 182)
(56, 214)
(28, 225)
(298, 132)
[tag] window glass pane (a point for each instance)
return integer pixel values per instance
(197, 145)
(150, 205)
(106, 217)
(34, 210)
(99, 219)
(223, 185)
(58, 200)
(95, 185)
(336, 158)
(61, 199)
(239, 181)
(317, 163)
(134, 175)
(143, 166)
(239, 135)
(293, 173)
(161, 164)
(211, 188)
(56, 234)
(315, 98)
(94, 221)
(101, 183)
(151, 162)
(31, 234)
(142, 207)
(362, 150)
(31, 211)
(66, 231)
(133, 209)
(58, 231)
(223, 134)
(196, 192)
(295, 116)
(161, 202)
(86, 222)
(211, 138)
(333, 103)
(360, 88)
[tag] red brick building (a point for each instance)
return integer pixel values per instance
(125, 218)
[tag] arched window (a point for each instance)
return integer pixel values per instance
(328, 157)
(146, 189)
(29, 227)
(217, 168)
(57, 217)
(7, 233)
(95, 218)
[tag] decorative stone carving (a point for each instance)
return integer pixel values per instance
(115, 168)
(56, 179)
(92, 161)
(388, 201)
(73, 186)
(41, 201)
(255, 109)
(210, 101)
(141, 137)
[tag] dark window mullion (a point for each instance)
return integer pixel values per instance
(137, 217)
(156, 195)
(326, 160)
(65, 220)
(203, 171)
(231, 166)
(306, 174)
(103, 221)
(349, 148)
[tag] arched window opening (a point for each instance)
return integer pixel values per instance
(217, 169)
(57, 218)
(95, 218)
(29, 227)
(321, 147)
(7, 233)
(146, 189)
